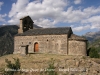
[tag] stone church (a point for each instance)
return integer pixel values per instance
(59, 40)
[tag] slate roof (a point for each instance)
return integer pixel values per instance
(24, 17)
(47, 31)
(76, 37)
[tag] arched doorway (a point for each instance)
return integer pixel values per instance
(36, 47)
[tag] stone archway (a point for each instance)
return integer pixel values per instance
(36, 47)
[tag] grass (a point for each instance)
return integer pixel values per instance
(40, 61)
(27, 61)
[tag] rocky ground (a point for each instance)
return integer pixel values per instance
(37, 64)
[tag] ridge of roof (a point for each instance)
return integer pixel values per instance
(46, 31)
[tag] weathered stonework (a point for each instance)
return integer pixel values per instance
(76, 47)
(55, 44)
(47, 40)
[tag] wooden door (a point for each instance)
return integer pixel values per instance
(36, 47)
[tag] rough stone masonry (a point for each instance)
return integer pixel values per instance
(47, 40)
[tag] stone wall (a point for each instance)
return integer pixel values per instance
(77, 47)
(55, 44)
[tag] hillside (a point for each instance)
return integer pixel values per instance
(67, 65)
(64, 65)
(6, 39)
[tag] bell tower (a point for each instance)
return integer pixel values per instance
(26, 23)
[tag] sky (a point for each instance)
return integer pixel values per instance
(82, 15)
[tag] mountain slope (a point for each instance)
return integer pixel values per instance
(6, 39)
(92, 36)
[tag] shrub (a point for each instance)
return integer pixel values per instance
(93, 53)
(51, 69)
(12, 66)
